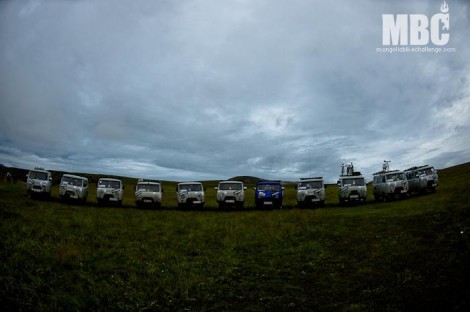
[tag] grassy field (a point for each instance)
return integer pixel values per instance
(404, 255)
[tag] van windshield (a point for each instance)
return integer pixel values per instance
(72, 181)
(109, 184)
(148, 187)
(310, 185)
(356, 182)
(269, 187)
(190, 187)
(38, 175)
(230, 186)
(427, 171)
(395, 176)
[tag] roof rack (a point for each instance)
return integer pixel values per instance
(417, 167)
(383, 171)
(148, 180)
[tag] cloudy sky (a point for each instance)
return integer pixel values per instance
(209, 89)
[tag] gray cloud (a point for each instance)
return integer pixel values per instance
(194, 90)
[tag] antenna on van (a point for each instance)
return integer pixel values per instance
(73, 163)
(310, 159)
(347, 169)
(350, 169)
(386, 165)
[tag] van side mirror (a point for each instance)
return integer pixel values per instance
(296, 187)
(283, 188)
(325, 186)
(163, 190)
(123, 187)
(216, 188)
(244, 188)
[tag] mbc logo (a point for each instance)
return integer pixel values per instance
(416, 29)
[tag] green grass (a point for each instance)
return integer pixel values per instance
(403, 255)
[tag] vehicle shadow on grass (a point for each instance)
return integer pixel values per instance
(94, 204)
(76, 202)
(203, 209)
(222, 210)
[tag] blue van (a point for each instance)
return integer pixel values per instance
(268, 194)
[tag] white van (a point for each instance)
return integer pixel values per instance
(190, 194)
(109, 190)
(422, 179)
(310, 192)
(389, 184)
(148, 193)
(73, 187)
(38, 182)
(230, 193)
(352, 185)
